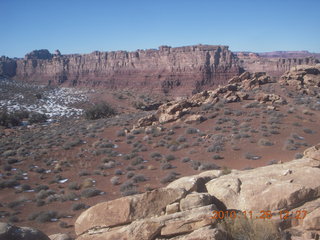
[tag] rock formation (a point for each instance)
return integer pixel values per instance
(305, 79)
(11, 232)
(234, 91)
(185, 208)
(188, 68)
(275, 64)
(185, 69)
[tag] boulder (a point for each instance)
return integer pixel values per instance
(272, 187)
(11, 232)
(313, 152)
(127, 209)
(60, 236)
(205, 233)
(312, 220)
(195, 118)
(195, 200)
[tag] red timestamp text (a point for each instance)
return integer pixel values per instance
(263, 214)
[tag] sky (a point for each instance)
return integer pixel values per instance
(84, 26)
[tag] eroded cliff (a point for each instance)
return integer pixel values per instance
(275, 63)
(189, 68)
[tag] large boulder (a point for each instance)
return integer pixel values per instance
(11, 232)
(127, 209)
(272, 187)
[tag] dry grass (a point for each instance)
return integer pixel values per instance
(242, 228)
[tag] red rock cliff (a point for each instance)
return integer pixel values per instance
(184, 69)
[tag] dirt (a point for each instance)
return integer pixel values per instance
(72, 147)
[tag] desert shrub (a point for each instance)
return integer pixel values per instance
(195, 164)
(251, 156)
(90, 192)
(118, 172)
(166, 166)
(43, 216)
(208, 166)
(13, 219)
(137, 161)
(185, 159)
(44, 194)
(130, 174)
(9, 119)
(121, 133)
(271, 162)
(181, 139)
(216, 147)
(251, 105)
(265, 142)
(115, 180)
(78, 206)
(170, 157)
(41, 187)
(217, 157)
(226, 170)
(139, 178)
(308, 131)
(191, 130)
(37, 118)
(298, 155)
(100, 110)
(242, 228)
(83, 173)
(169, 177)
(74, 186)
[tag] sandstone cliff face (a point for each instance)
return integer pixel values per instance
(189, 68)
(274, 66)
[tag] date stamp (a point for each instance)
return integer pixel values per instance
(263, 214)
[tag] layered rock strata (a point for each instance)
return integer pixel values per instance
(187, 68)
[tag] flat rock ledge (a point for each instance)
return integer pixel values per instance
(183, 210)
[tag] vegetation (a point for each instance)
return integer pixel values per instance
(100, 110)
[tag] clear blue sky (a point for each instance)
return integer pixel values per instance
(82, 26)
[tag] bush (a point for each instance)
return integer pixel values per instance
(251, 156)
(265, 142)
(169, 177)
(90, 192)
(78, 206)
(37, 118)
(100, 110)
(44, 216)
(242, 228)
(9, 119)
(139, 178)
(192, 130)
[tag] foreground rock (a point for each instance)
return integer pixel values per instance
(10, 232)
(184, 209)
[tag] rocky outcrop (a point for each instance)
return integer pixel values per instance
(305, 79)
(235, 91)
(188, 68)
(185, 208)
(11, 232)
(274, 64)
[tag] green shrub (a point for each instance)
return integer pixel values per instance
(100, 110)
